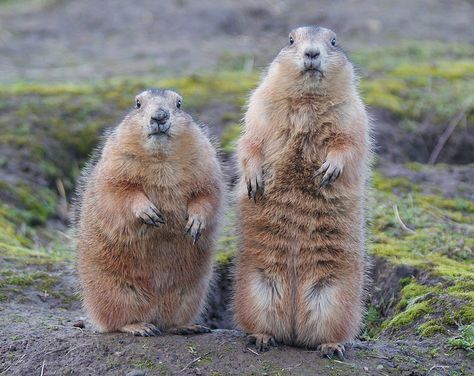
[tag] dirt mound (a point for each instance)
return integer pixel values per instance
(399, 145)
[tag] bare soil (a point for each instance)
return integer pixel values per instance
(38, 335)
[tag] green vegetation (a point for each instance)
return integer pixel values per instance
(439, 241)
(158, 367)
(465, 340)
(417, 81)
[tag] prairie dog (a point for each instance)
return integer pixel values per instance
(147, 216)
(304, 158)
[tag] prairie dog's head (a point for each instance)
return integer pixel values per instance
(313, 56)
(156, 119)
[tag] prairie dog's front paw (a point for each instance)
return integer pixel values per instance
(194, 227)
(148, 214)
(330, 171)
(254, 180)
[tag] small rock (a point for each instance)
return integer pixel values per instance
(366, 369)
(79, 324)
(136, 372)
(379, 367)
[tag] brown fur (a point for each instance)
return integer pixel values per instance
(135, 274)
(301, 268)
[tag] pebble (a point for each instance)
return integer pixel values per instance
(379, 367)
(79, 324)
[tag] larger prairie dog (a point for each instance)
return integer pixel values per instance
(304, 159)
(147, 217)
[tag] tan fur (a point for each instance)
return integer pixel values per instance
(301, 268)
(133, 274)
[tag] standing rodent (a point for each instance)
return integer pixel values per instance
(304, 158)
(147, 216)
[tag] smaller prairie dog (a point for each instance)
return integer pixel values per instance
(146, 219)
(304, 159)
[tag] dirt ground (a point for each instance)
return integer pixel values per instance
(52, 40)
(39, 337)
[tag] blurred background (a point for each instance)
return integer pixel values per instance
(70, 69)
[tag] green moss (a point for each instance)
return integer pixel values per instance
(409, 315)
(42, 281)
(441, 239)
(391, 185)
(414, 82)
(420, 302)
(430, 328)
(415, 290)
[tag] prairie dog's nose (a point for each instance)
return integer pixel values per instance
(312, 53)
(160, 116)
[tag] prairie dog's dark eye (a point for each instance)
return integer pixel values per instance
(333, 41)
(291, 40)
(179, 102)
(138, 103)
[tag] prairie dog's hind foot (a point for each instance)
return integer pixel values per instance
(190, 329)
(262, 342)
(143, 329)
(329, 349)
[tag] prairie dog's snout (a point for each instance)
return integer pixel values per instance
(159, 121)
(160, 116)
(312, 57)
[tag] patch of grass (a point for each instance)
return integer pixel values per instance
(41, 281)
(372, 322)
(465, 340)
(192, 349)
(159, 367)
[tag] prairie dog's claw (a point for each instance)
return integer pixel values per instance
(194, 228)
(151, 216)
(254, 186)
(330, 171)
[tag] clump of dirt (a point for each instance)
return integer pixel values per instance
(399, 145)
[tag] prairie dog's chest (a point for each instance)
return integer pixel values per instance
(169, 190)
(299, 148)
